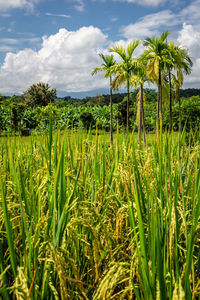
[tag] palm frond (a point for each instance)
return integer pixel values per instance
(152, 69)
(119, 49)
(108, 62)
(96, 70)
(135, 81)
(164, 35)
(107, 59)
(119, 80)
(131, 47)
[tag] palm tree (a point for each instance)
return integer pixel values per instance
(124, 70)
(177, 59)
(155, 54)
(108, 62)
(170, 61)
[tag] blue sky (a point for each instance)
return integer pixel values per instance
(58, 41)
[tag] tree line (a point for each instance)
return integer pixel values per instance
(17, 117)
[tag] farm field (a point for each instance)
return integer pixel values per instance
(80, 219)
(99, 150)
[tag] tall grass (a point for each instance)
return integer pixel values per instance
(82, 220)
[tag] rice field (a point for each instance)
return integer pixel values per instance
(80, 219)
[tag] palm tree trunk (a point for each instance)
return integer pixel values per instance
(144, 137)
(111, 113)
(170, 103)
(180, 113)
(159, 107)
(143, 124)
(140, 113)
(127, 109)
(159, 99)
(158, 115)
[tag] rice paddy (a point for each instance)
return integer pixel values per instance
(80, 219)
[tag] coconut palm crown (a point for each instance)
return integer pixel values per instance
(156, 54)
(124, 70)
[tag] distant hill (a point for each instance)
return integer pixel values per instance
(186, 93)
(151, 95)
(95, 100)
(118, 97)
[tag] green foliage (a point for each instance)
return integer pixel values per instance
(87, 119)
(30, 119)
(122, 107)
(187, 93)
(190, 109)
(97, 100)
(16, 116)
(116, 98)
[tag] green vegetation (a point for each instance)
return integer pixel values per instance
(87, 119)
(17, 116)
(83, 220)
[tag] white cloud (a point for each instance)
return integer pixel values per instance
(9, 4)
(6, 48)
(191, 13)
(150, 25)
(8, 41)
(189, 38)
(80, 6)
(58, 15)
(65, 61)
(154, 24)
(13, 4)
(145, 2)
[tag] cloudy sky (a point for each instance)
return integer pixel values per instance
(58, 41)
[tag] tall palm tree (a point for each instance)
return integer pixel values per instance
(170, 61)
(155, 53)
(108, 62)
(177, 59)
(124, 70)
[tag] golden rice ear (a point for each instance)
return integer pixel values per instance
(118, 273)
(21, 290)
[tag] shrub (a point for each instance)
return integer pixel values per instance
(87, 119)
